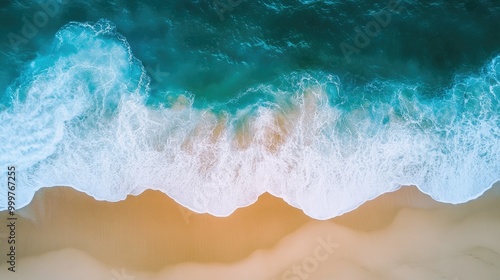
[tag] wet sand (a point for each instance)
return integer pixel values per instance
(65, 234)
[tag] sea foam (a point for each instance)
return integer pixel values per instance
(79, 118)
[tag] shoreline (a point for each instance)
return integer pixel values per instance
(160, 233)
(396, 189)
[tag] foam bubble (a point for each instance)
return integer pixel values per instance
(84, 123)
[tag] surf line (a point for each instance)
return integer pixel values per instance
(11, 218)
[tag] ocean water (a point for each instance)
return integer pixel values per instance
(324, 103)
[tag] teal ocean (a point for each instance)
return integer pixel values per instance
(324, 103)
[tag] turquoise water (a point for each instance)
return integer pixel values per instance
(116, 97)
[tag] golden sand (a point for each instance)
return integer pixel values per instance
(64, 234)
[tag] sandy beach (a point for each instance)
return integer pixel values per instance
(65, 234)
(249, 140)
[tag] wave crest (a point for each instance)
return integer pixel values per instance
(84, 123)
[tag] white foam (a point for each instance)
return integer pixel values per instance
(328, 160)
